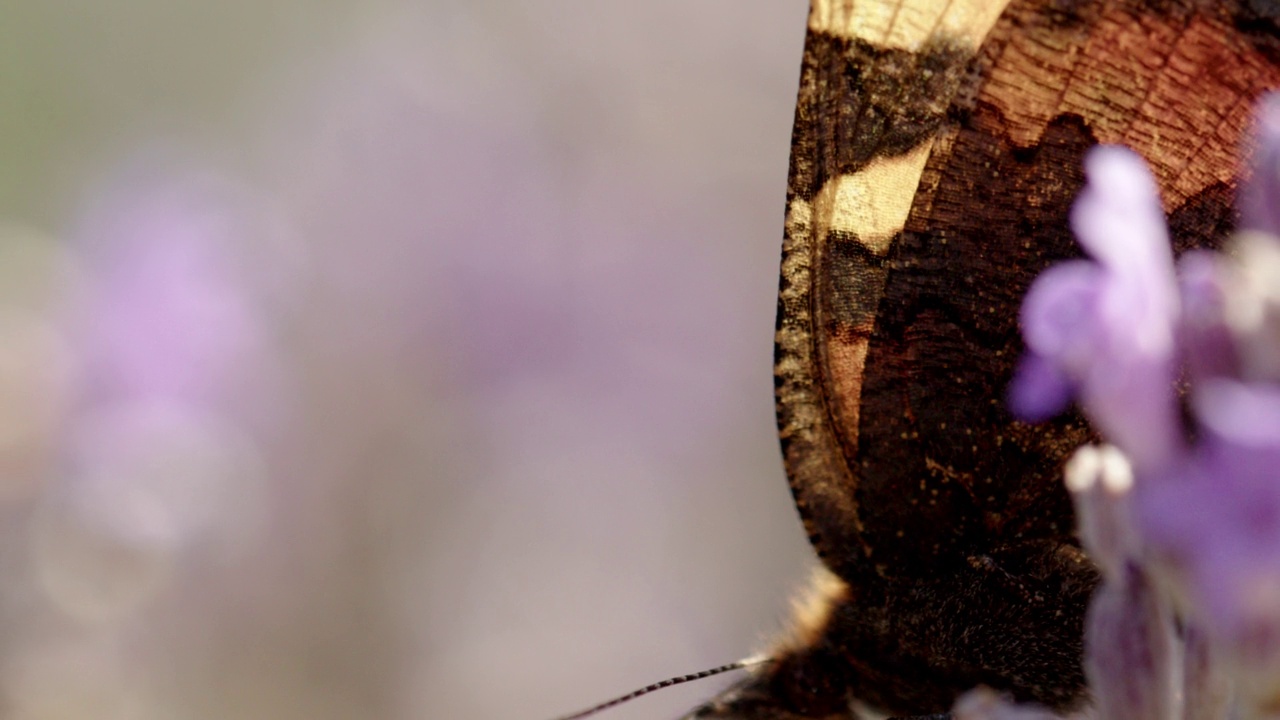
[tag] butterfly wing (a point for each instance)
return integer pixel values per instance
(877, 82)
(937, 149)
(936, 152)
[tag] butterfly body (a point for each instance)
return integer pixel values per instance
(936, 152)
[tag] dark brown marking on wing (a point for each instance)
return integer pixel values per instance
(1259, 21)
(1205, 219)
(858, 102)
(853, 283)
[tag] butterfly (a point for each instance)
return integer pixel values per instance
(936, 150)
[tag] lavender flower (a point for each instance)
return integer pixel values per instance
(172, 387)
(1199, 532)
(1107, 325)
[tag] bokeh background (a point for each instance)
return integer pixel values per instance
(388, 359)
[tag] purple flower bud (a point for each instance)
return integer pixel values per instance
(1057, 325)
(1059, 312)
(1108, 325)
(1119, 221)
(1039, 389)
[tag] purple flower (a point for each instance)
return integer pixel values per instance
(1215, 528)
(165, 309)
(1106, 326)
(174, 392)
(1199, 532)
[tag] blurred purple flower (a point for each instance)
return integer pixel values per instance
(1107, 324)
(1215, 527)
(166, 311)
(176, 384)
(1200, 530)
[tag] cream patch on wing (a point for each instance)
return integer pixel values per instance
(868, 207)
(908, 24)
(871, 204)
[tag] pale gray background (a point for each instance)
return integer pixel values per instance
(532, 460)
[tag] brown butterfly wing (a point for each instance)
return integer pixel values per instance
(895, 344)
(872, 101)
(937, 149)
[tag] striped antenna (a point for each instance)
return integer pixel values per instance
(739, 665)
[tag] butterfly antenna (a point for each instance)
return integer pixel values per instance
(682, 679)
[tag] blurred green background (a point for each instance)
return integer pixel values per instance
(388, 359)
